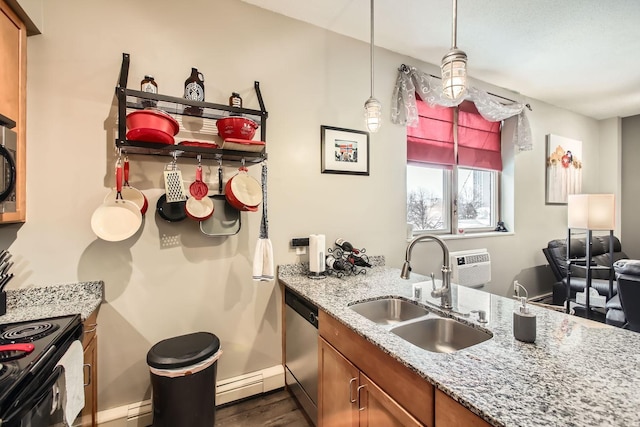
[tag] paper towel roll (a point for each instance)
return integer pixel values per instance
(316, 253)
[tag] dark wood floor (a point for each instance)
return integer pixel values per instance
(272, 409)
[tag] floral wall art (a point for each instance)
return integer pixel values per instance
(564, 168)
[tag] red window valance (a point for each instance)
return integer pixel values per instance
(432, 140)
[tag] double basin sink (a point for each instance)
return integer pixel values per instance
(421, 326)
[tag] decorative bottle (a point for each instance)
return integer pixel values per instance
(194, 86)
(235, 100)
(149, 85)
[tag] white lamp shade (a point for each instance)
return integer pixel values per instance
(591, 211)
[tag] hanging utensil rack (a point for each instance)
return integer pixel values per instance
(129, 99)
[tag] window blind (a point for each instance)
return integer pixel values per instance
(432, 140)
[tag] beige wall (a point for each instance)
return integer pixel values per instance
(169, 279)
(631, 186)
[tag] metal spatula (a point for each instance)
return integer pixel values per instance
(173, 184)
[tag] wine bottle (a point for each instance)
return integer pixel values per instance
(344, 245)
(357, 260)
(336, 264)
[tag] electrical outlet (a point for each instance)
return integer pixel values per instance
(300, 241)
(301, 250)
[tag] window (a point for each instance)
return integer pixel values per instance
(453, 170)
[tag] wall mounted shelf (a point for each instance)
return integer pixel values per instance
(200, 115)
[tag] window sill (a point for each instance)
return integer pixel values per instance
(470, 235)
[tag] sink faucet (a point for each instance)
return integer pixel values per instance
(443, 292)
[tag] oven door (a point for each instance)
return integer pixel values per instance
(42, 407)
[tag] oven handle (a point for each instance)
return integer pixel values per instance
(29, 402)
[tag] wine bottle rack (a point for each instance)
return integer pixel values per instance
(350, 269)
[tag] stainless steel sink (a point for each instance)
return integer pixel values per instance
(389, 311)
(440, 334)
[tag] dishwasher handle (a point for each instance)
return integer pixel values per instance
(304, 308)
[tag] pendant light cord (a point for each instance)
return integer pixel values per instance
(454, 37)
(371, 54)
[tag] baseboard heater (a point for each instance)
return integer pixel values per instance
(228, 390)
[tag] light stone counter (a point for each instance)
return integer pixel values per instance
(577, 373)
(52, 301)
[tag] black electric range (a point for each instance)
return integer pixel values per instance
(29, 352)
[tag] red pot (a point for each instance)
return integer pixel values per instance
(153, 119)
(236, 127)
(243, 192)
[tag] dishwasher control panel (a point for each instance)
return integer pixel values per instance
(304, 308)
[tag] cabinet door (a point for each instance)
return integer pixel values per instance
(338, 382)
(450, 413)
(11, 29)
(88, 414)
(378, 409)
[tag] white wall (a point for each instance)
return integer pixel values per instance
(169, 279)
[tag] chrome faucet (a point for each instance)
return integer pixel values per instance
(443, 292)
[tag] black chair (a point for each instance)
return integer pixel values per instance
(629, 291)
(556, 254)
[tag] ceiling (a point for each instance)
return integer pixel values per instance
(582, 55)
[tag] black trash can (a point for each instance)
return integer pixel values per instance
(183, 380)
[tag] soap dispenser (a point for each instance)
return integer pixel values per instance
(524, 322)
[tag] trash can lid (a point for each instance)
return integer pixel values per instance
(184, 350)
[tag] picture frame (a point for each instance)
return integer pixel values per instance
(344, 151)
(563, 169)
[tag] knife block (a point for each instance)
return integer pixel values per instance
(3, 303)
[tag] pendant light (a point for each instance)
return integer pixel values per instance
(454, 65)
(372, 108)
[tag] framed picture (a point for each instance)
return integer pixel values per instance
(344, 151)
(564, 169)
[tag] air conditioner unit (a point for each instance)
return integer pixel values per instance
(470, 268)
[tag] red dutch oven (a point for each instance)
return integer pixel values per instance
(153, 125)
(243, 192)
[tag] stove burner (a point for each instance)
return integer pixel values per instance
(29, 332)
(6, 370)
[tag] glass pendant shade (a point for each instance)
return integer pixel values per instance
(454, 74)
(373, 114)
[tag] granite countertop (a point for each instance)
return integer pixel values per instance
(577, 373)
(51, 301)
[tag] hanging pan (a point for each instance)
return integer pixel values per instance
(171, 211)
(116, 219)
(243, 192)
(225, 220)
(199, 207)
(130, 193)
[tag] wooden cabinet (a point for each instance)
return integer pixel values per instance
(337, 388)
(360, 385)
(383, 380)
(348, 398)
(450, 413)
(13, 88)
(88, 416)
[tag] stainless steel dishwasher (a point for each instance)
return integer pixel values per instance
(301, 352)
